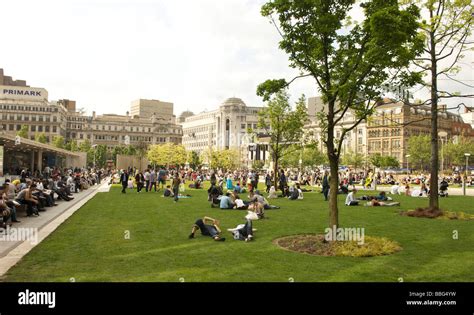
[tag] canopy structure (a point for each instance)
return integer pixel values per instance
(17, 153)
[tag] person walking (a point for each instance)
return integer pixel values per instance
(176, 183)
(139, 179)
(124, 181)
(325, 185)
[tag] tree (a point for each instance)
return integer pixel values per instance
(193, 159)
(419, 149)
(71, 145)
(446, 29)
(168, 154)
(58, 142)
(309, 155)
(40, 137)
(390, 161)
(23, 132)
(354, 159)
(99, 155)
(350, 62)
(283, 126)
(454, 151)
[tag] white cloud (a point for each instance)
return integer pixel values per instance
(106, 53)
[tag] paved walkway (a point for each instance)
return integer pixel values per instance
(36, 229)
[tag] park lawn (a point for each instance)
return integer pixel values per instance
(92, 246)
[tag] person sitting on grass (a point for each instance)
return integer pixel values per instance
(168, 192)
(272, 194)
(240, 204)
(238, 189)
(243, 232)
(383, 197)
(226, 202)
(212, 229)
(376, 203)
(351, 200)
(257, 197)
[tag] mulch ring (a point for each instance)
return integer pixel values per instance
(315, 244)
(436, 213)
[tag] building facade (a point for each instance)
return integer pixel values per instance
(224, 128)
(355, 140)
(24, 105)
(388, 130)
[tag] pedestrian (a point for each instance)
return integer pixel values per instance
(124, 181)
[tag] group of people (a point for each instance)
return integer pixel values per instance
(372, 201)
(36, 194)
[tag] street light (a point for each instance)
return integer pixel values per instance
(408, 169)
(94, 146)
(442, 135)
(467, 155)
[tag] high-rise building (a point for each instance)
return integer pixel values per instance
(225, 128)
(147, 108)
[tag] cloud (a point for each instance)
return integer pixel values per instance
(106, 53)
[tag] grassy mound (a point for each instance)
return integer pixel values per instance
(436, 213)
(316, 245)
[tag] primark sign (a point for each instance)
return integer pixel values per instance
(23, 93)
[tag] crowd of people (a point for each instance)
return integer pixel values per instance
(34, 192)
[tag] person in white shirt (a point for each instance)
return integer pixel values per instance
(351, 199)
(395, 190)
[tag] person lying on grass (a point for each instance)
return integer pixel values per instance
(243, 232)
(211, 229)
(375, 203)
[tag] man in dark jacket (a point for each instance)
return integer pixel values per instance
(124, 181)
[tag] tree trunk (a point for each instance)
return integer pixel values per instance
(434, 202)
(334, 185)
(275, 171)
(334, 167)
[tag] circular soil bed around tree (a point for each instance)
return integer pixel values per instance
(436, 213)
(315, 244)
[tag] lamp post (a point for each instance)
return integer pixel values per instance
(467, 155)
(408, 169)
(94, 147)
(442, 135)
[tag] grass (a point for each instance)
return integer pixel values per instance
(91, 244)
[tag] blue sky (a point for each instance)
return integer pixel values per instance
(106, 53)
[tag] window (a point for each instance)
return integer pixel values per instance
(46, 128)
(55, 129)
(18, 127)
(395, 144)
(33, 128)
(359, 141)
(40, 128)
(385, 144)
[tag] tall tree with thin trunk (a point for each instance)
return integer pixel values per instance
(284, 127)
(446, 30)
(350, 61)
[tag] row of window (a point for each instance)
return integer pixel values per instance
(384, 144)
(384, 133)
(23, 117)
(29, 108)
(32, 128)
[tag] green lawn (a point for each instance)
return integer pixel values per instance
(90, 245)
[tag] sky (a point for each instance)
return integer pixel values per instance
(106, 53)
